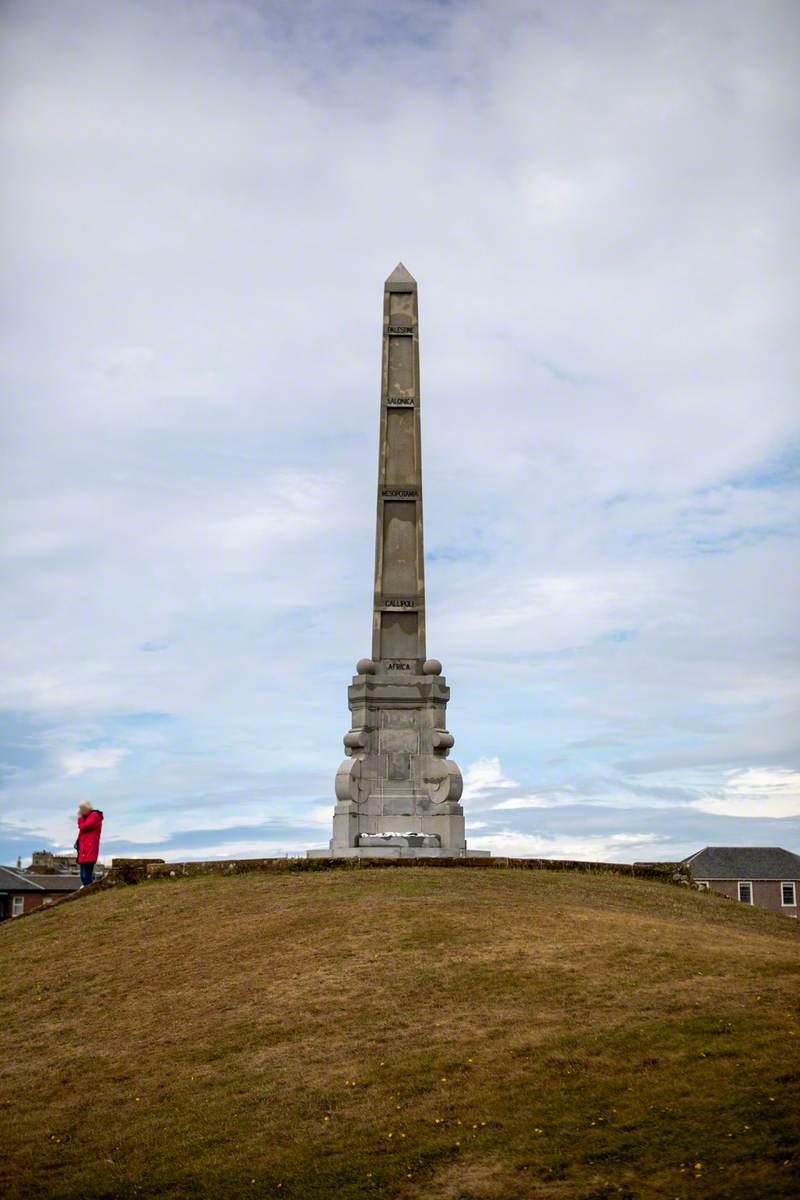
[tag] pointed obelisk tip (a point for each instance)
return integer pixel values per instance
(400, 275)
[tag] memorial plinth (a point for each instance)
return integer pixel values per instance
(397, 792)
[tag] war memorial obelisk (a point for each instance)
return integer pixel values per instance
(397, 792)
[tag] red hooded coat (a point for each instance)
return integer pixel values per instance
(89, 836)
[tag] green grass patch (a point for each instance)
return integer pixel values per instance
(457, 1034)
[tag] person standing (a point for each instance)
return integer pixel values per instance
(90, 823)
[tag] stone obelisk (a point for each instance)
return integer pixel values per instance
(397, 792)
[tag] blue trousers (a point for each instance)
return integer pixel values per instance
(87, 873)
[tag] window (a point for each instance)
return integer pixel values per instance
(788, 896)
(703, 884)
(17, 905)
(47, 900)
(746, 892)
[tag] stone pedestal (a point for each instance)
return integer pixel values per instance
(398, 780)
(394, 852)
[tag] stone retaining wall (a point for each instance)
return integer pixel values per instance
(129, 871)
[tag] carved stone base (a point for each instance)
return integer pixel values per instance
(411, 840)
(397, 775)
(395, 852)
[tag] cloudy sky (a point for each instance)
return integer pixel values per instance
(599, 200)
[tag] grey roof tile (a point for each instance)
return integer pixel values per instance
(57, 883)
(14, 880)
(744, 862)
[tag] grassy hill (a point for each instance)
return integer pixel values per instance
(452, 1035)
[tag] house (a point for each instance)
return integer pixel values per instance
(766, 876)
(22, 891)
(43, 862)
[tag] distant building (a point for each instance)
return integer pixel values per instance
(765, 876)
(44, 862)
(22, 891)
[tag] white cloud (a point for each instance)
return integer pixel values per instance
(756, 792)
(320, 816)
(533, 801)
(615, 847)
(104, 758)
(600, 207)
(250, 848)
(484, 777)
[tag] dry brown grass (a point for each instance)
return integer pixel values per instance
(452, 1035)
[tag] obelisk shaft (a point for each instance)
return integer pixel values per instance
(397, 791)
(398, 639)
